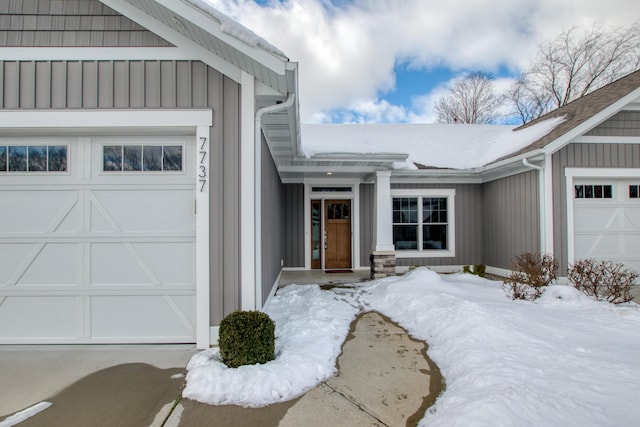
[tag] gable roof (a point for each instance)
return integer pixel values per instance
(583, 114)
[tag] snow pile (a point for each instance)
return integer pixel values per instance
(311, 326)
(457, 146)
(562, 360)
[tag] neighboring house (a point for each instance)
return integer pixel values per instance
(153, 177)
(130, 160)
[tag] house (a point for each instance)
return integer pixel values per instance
(564, 184)
(154, 176)
(131, 167)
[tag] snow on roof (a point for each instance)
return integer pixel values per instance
(236, 30)
(455, 146)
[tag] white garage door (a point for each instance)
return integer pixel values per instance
(97, 240)
(607, 220)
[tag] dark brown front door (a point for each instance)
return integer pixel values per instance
(337, 228)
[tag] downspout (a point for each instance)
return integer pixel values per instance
(258, 190)
(541, 202)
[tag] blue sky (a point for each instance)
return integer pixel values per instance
(390, 60)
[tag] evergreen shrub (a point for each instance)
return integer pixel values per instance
(246, 338)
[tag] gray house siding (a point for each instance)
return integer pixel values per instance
(624, 123)
(366, 222)
(583, 156)
(273, 234)
(294, 225)
(152, 84)
(69, 23)
(468, 226)
(510, 218)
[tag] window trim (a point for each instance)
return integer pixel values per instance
(420, 193)
(143, 172)
(28, 144)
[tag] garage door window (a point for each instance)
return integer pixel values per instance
(593, 191)
(142, 158)
(33, 158)
(633, 192)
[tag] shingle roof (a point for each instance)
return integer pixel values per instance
(581, 110)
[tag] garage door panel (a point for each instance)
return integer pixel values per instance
(38, 211)
(171, 263)
(54, 264)
(145, 210)
(39, 317)
(599, 217)
(632, 218)
(597, 246)
(117, 264)
(141, 316)
(12, 256)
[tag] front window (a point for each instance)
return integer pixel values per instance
(421, 222)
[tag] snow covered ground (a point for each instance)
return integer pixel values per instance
(562, 360)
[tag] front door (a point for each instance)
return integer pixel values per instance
(337, 233)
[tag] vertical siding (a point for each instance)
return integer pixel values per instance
(273, 240)
(583, 156)
(624, 123)
(366, 222)
(152, 84)
(511, 218)
(69, 23)
(294, 225)
(468, 226)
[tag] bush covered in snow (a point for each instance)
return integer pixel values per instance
(246, 338)
(603, 280)
(531, 273)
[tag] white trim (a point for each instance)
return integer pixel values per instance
(587, 139)
(272, 292)
(496, 271)
(104, 118)
(571, 174)
(547, 182)
(353, 196)
(382, 213)
(214, 335)
(450, 193)
(202, 172)
(95, 54)
(248, 285)
(188, 46)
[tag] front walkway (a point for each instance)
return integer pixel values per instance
(321, 278)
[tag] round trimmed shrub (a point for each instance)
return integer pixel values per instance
(246, 338)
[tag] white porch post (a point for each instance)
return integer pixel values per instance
(202, 237)
(383, 239)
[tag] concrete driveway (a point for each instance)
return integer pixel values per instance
(90, 384)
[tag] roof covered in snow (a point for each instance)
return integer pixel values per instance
(454, 146)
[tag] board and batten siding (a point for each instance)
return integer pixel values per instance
(294, 225)
(273, 226)
(69, 23)
(624, 123)
(511, 218)
(59, 85)
(581, 155)
(468, 223)
(366, 222)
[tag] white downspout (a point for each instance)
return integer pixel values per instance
(258, 191)
(541, 202)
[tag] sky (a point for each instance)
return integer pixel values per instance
(388, 61)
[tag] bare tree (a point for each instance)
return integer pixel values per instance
(471, 99)
(572, 65)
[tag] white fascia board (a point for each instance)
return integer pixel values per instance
(588, 139)
(592, 122)
(328, 168)
(104, 118)
(189, 47)
(94, 54)
(602, 172)
(196, 17)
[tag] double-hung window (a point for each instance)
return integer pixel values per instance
(423, 222)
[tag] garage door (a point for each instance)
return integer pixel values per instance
(607, 221)
(97, 240)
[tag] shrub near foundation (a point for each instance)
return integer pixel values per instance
(603, 280)
(246, 338)
(531, 273)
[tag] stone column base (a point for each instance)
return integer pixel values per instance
(383, 264)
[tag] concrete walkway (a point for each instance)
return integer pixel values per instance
(384, 379)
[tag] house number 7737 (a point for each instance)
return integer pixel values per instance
(203, 174)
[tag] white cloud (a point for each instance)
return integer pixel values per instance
(347, 54)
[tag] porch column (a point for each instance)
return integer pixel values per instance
(383, 258)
